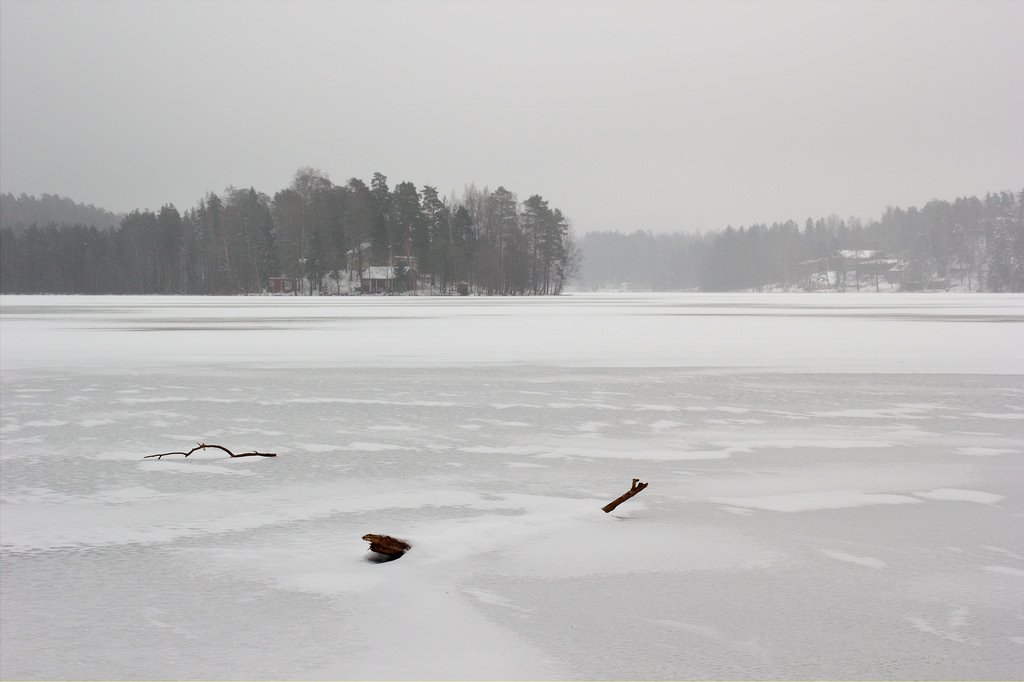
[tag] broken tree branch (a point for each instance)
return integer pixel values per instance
(633, 490)
(203, 446)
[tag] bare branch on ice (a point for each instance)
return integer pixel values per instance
(203, 446)
(633, 490)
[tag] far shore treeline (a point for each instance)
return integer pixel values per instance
(321, 236)
(969, 244)
(326, 238)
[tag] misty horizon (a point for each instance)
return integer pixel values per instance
(737, 113)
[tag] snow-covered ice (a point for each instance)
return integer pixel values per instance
(835, 487)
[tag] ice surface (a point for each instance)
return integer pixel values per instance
(835, 487)
(961, 495)
(851, 333)
(796, 502)
(859, 560)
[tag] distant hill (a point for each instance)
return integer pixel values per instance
(24, 210)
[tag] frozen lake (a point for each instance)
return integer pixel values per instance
(836, 487)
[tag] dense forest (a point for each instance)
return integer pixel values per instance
(969, 244)
(326, 238)
(319, 236)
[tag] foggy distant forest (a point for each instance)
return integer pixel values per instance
(52, 209)
(325, 237)
(970, 244)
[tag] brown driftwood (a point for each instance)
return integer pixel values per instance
(203, 446)
(387, 545)
(633, 490)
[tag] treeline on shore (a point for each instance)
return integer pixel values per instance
(321, 237)
(326, 238)
(969, 244)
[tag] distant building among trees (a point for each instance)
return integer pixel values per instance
(313, 237)
(316, 237)
(969, 244)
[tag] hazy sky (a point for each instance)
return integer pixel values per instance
(626, 115)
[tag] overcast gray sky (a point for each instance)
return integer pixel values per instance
(626, 115)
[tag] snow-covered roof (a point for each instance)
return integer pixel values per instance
(860, 254)
(378, 272)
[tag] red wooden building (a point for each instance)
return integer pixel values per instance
(283, 285)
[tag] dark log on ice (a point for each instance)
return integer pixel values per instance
(633, 490)
(387, 545)
(203, 446)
